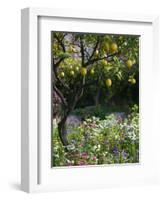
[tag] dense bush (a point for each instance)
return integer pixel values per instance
(106, 140)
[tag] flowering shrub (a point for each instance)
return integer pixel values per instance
(100, 141)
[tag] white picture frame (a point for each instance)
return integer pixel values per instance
(36, 171)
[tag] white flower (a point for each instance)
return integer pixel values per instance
(71, 147)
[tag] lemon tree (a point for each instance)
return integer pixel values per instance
(105, 63)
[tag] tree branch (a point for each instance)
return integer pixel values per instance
(101, 58)
(60, 95)
(95, 48)
(60, 41)
(58, 79)
(82, 50)
(75, 100)
(58, 63)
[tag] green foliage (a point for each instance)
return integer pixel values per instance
(95, 52)
(100, 111)
(100, 141)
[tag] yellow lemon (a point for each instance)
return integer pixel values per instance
(96, 52)
(129, 63)
(72, 73)
(104, 62)
(114, 47)
(83, 71)
(71, 67)
(92, 71)
(133, 81)
(108, 82)
(77, 69)
(62, 74)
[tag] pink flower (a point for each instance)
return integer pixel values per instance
(94, 158)
(82, 162)
(84, 155)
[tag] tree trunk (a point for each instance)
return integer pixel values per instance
(62, 124)
(62, 131)
(97, 97)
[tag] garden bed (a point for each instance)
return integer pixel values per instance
(108, 140)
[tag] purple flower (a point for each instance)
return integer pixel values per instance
(124, 154)
(115, 150)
